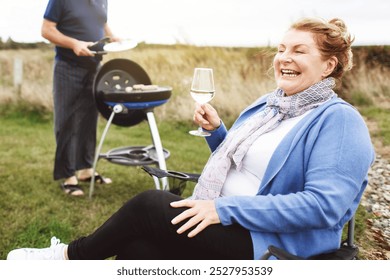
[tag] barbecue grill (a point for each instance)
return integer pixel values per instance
(125, 96)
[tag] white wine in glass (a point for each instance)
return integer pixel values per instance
(202, 91)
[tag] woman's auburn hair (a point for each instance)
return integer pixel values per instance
(332, 38)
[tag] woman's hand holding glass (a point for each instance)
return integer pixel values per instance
(206, 116)
(202, 91)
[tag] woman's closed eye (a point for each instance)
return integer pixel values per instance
(300, 51)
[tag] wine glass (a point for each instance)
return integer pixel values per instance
(202, 91)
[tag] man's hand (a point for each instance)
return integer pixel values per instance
(80, 48)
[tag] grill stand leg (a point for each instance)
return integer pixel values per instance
(159, 150)
(156, 142)
(116, 109)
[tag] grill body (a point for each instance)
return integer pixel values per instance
(124, 107)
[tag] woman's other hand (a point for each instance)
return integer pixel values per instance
(200, 214)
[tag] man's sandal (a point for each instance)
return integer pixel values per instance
(98, 179)
(72, 190)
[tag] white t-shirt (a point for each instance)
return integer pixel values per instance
(247, 180)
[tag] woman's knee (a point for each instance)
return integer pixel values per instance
(151, 199)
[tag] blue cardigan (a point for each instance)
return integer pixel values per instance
(313, 183)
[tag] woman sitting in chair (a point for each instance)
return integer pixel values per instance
(290, 172)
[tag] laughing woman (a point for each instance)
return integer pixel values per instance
(290, 172)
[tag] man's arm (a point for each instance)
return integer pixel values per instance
(108, 32)
(50, 32)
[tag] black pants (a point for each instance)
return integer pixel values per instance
(75, 118)
(141, 229)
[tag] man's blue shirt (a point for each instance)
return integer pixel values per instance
(80, 19)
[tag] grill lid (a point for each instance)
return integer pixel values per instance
(110, 85)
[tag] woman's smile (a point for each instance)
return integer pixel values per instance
(289, 73)
(298, 63)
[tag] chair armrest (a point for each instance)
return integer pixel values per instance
(177, 180)
(279, 254)
(159, 173)
(345, 252)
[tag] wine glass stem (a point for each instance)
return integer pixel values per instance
(200, 129)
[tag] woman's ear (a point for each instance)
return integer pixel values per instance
(330, 66)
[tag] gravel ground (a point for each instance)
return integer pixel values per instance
(376, 200)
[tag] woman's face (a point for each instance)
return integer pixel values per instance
(298, 63)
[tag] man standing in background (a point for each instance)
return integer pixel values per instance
(73, 26)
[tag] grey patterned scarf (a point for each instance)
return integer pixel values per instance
(236, 144)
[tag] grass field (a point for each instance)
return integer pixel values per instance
(32, 207)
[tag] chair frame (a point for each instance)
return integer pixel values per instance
(348, 249)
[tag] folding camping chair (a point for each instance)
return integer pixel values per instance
(347, 251)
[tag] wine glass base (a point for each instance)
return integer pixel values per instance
(199, 133)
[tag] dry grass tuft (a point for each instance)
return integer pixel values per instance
(241, 76)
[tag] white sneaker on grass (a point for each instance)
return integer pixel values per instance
(55, 252)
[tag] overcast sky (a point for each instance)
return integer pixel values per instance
(210, 22)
